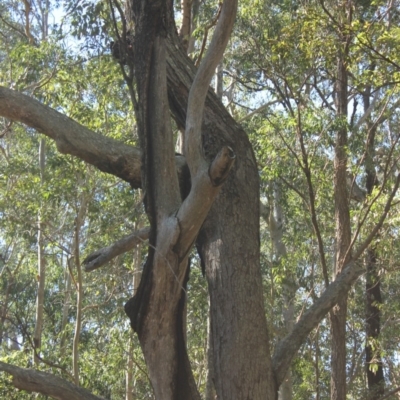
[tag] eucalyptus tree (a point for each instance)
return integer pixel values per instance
(318, 70)
(218, 208)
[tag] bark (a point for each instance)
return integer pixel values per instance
(210, 379)
(46, 384)
(228, 241)
(107, 154)
(219, 80)
(375, 378)
(156, 311)
(137, 275)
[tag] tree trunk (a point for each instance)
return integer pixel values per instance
(375, 378)
(137, 275)
(66, 306)
(229, 247)
(79, 220)
(280, 252)
(210, 379)
(37, 335)
(343, 234)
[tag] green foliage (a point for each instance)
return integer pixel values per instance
(283, 54)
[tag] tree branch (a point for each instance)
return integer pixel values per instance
(102, 256)
(108, 155)
(201, 83)
(287, 348)
(45, 383)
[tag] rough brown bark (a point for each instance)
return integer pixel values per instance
(156, 311)
(231, 255)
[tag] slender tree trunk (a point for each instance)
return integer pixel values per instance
(279, 252)
(37, 335)
(317, 356)
(343, 234)
(210, 379)
(185, 30)
(66, 306)
(137, 276)
(193, 20)
(79, 220)
(219, 80)
(375, 378)
(129, 371)
(4, 308)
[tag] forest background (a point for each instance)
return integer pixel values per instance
(280, 80)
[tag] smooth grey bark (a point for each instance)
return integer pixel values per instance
(107, 154)
(66, 306)
(288, 286)
(100, 257)
(46, 384)
(37, 334)
(79, 221)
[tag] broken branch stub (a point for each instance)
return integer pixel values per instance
(222, 164)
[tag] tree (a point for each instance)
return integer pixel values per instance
(218, 209)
